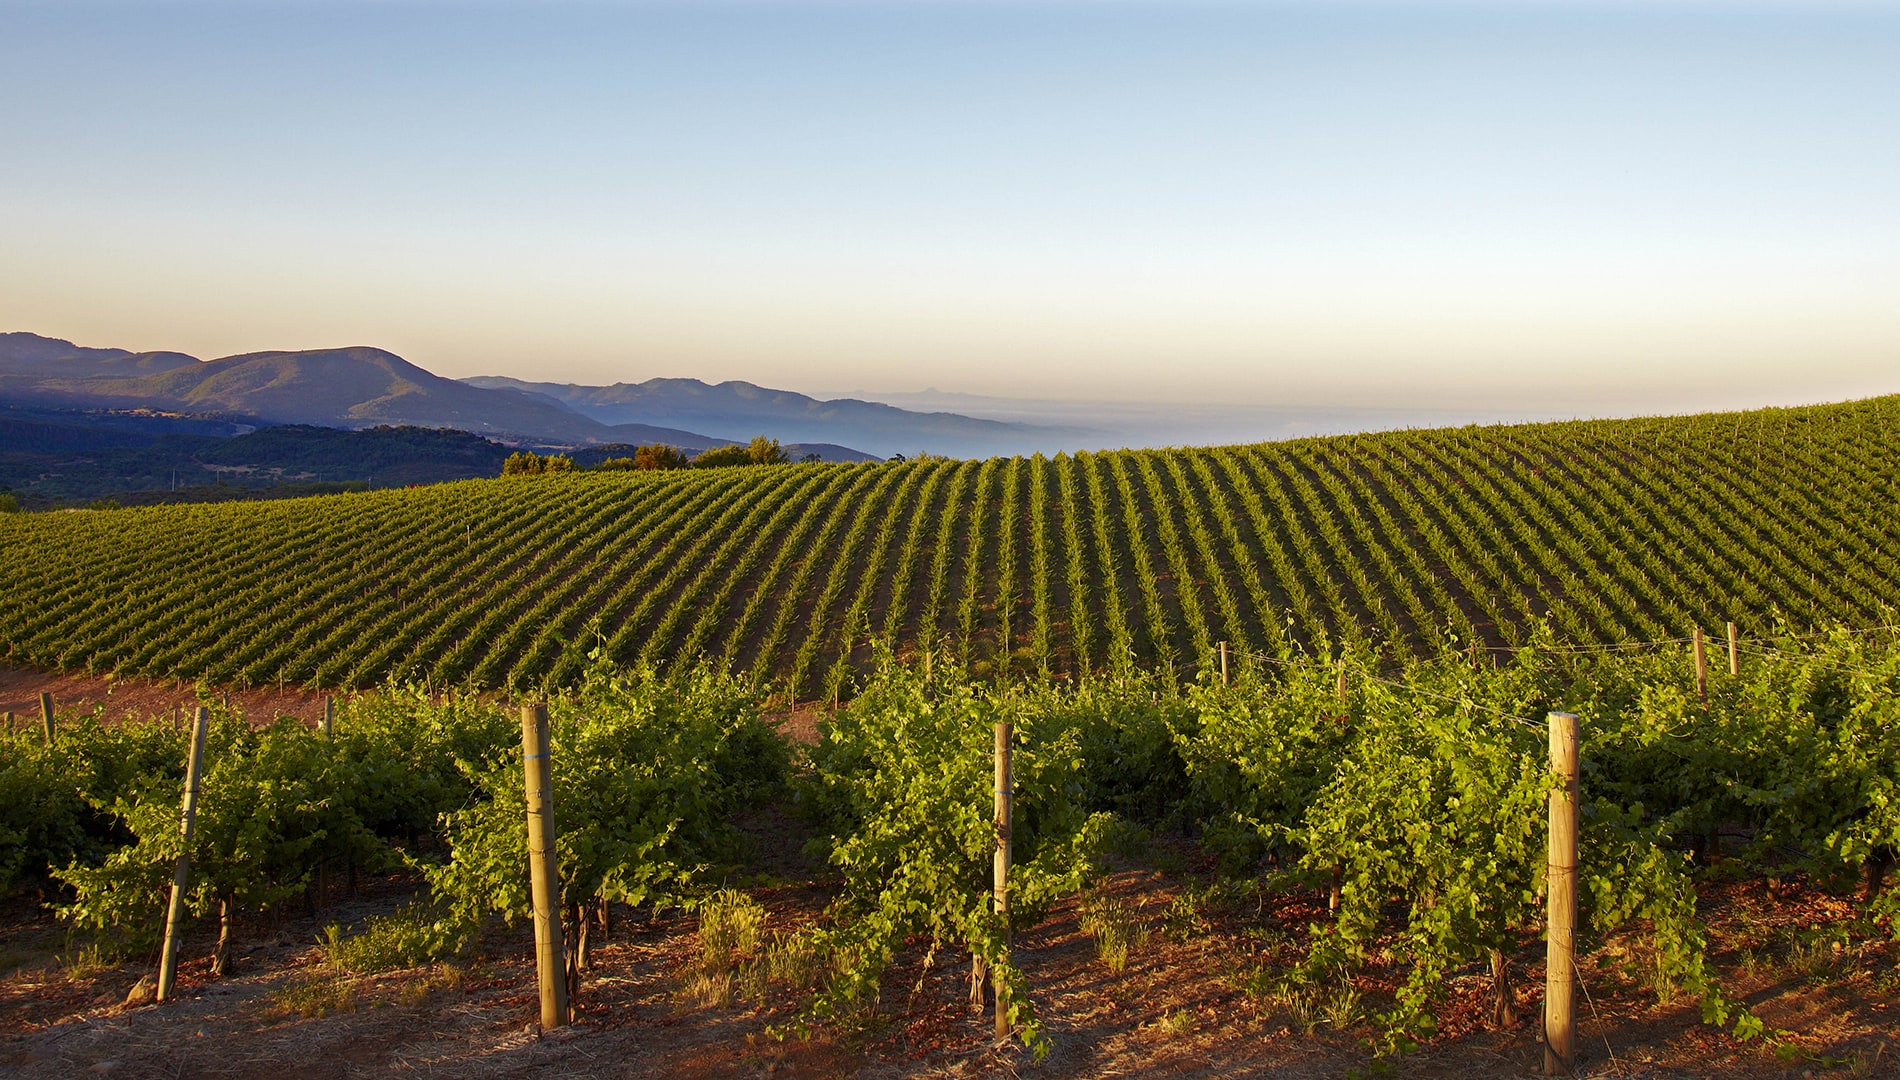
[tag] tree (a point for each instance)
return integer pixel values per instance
(760, 451)
(765, 451)
(529, 463)
(721, 456)
(659, 456)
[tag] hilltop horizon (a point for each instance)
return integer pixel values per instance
(695, 412)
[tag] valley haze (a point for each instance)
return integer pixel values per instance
(362, 386)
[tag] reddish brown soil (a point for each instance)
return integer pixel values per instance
(1182, 1007)
(117, 698)
(799, 725)
(121, 698)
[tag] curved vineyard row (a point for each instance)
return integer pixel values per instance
(1406, 543)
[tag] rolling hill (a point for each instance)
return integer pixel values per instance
(1400, 543)
(51, 458)
(51, 464)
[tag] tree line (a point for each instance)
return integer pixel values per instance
(760, 451)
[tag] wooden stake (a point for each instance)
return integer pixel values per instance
(181, 871)
(1340, 690)
(1701, 666)
(328, 723)
(1560, 934)
(1223, 663)
(543, 871)
(46, 717)
(9, 719)
(221, 956)
(1734, 651)
(1001, 870)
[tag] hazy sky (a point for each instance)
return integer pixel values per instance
(1537, 205)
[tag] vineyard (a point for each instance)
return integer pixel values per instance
(1397, 545)
(1410, 801)
(1323, 667)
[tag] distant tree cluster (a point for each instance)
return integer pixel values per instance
(760, 451)
(660, 456)
(529, 463)
(646, 458)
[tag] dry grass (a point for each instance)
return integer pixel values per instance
(727, 964)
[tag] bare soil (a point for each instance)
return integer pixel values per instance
(120, 698)
(1188, 1003)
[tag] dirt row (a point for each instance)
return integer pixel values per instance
(1189, 1003)
(119, 699)
(123, 698)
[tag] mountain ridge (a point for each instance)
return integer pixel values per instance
(361, 386)
(351, 387)
(732, 407)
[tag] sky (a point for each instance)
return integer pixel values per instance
(1553, 208)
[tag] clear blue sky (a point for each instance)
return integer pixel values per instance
(1588, 205)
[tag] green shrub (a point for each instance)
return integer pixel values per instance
(648, 774)
(261, 812)
(55, 804)
(413, 934)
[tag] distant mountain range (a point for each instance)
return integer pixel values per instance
(364, 387)
(739, 410)
(346, 388)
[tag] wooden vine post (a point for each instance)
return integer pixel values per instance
(1701, 666)
(1001, 871)
(181, 871)
(1560, 891)
(1734, 651)
(550, 962)
(1332, 888)
(46, 717)
(328, 724)
(1223, 663)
